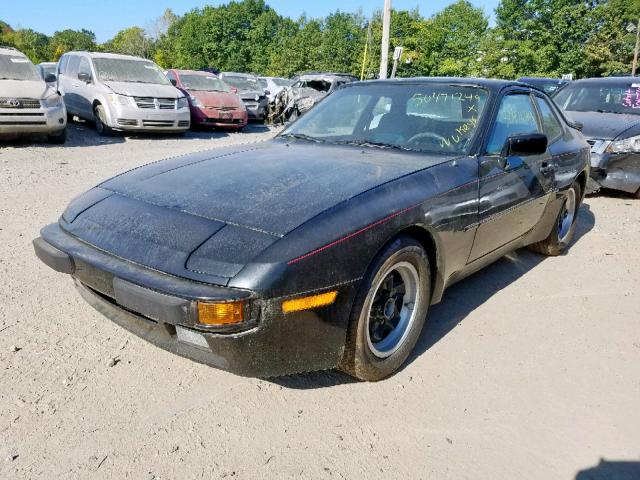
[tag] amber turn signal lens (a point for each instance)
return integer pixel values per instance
(220, 313)
(308, 303)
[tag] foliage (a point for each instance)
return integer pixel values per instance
(530, 37)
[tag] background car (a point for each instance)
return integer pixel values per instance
(121, 93)
(548, 85)
(27, 104)
(250, 91)
(211, 101)
(326, 246)
(307, 90)
(609, 110)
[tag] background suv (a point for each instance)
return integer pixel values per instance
(120, 92)
(27, 104)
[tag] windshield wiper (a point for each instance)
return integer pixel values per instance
(302, 136)
(370, 143)
(608, 111)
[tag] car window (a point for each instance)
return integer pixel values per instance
(171, 76)
(72, 66)
(62, 66)
(516, 115)
(550, 124)
(620, 97)
(342, 119)
(84, 67)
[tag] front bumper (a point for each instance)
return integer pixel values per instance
(160, 308)
(617, 171)
(150, 120)
(25, 121)
(214, 118)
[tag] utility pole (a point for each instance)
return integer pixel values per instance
(635, 52)
(386, 23)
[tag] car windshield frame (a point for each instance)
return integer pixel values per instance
(28, 72)
(186, 78)
(107, 72)
(243, 82)
(470, 124)
(625, 97)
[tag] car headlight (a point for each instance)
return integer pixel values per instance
(628, 145)
(54, 100)
(119, 99)
(184, 103)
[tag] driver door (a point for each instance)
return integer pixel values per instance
(513, 190)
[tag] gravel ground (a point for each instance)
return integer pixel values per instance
(529, 369)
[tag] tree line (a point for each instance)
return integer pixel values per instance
(587, 38)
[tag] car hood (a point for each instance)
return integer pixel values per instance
(23, 88)
(144, 90)
(207, 215)
(216, 99)
(604, 126)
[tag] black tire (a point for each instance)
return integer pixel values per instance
(102, 128)
(58, 138)
(361, 359)
(560, 237)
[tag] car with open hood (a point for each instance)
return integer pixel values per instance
(306, 91)
(121, 93)
(325, 246)
(28, 105)
(609, 111)
(248, 87)
(212, 102)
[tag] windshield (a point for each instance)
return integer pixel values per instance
(319, 85)
(623, 97)
(203, 83)
(242, 83)
(434, 117)
(124, 70)
(17, 67)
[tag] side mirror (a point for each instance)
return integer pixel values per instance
(524, 145)
(267, 92)
(50, 78)
(84, 76)
(173, 81)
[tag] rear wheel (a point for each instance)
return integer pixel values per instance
(389, 311)
(100, 116)
(562, 233)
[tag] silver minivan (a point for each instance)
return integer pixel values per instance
(121, 93)
(27, 104)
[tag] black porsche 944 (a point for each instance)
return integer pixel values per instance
(325, 246)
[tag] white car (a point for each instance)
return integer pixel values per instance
(27, 104)
(274, 85)
(121, 93)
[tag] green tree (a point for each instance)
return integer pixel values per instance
(69, 40)
(33, 44)
(130, 41)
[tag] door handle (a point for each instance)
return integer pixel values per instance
(547, 169)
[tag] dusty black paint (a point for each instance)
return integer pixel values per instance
(279, 220)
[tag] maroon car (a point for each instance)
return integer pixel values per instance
(211, 101)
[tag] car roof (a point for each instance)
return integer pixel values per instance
(488, 83)
(606, 80)
(238, 74)
(107, 55)
(11, 51)
(193, 72)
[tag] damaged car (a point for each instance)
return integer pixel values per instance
(250, 91)
(325, 246)
(307, 90)
(609, 110)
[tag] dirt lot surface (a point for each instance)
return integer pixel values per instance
(527, 370)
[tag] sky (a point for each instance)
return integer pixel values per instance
(106, 17)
